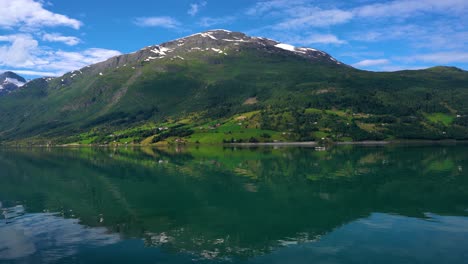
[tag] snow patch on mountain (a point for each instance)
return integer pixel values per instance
(223, 30)
(161, 51)
(10, 81)
(286, 47)
(14, 81)
(236, 40)
(153, 58)
(208, 35)
(291, 48)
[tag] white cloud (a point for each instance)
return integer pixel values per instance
(316, 18)
(31, 14)
(63, 61)
(370, 36)
(391, 32)
(369, 63)
(266, 7)
(294, 15)
(323, 39)
(311, 39)
(212, 21)
(23, 52)
(434, 35)
(195, 8)
(162, 21)
(30, 72)
(440, 57)
(17, 50)
(393, 68)
(297, 14)
(396, 8)
(55, 37)
(414, 62)
(405, 8)
(86, 57)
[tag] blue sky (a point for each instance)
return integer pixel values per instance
(51, 37)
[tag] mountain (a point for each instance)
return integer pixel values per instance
(220, 86)
(10, 81)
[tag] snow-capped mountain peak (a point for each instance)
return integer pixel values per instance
(207, 45)
(14, 81)
(225, 42)
(10, 81)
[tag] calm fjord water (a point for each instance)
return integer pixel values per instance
(225, 205)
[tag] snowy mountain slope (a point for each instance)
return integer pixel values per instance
(10, 81)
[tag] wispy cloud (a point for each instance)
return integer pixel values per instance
(405, 8)
(55, 37)
(31, 72)
(195, 8)
(317, 39)
(302, 14)
(272, 6)
(292, 21)
(396, 8)
(63, 61)
(316, 18)
(423, 31)
(433, 35)
(213, 21)
(367, 63)
(306, 39)
(393, 68)
(439, 57)
(60, 62)
(31, 14)
(159, 21)
(297, 14)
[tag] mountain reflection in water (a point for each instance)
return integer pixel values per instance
(239, 205)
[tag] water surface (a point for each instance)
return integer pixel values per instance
(226, 205)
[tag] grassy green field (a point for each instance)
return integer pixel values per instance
(310, 124)
(445, 119)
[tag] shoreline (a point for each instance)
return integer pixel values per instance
(306, 143)
(416, 142)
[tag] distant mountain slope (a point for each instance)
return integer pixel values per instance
(10, 81)
(216, 75)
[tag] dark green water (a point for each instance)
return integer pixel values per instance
(215, 205)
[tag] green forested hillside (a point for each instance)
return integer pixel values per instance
(223, 86)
